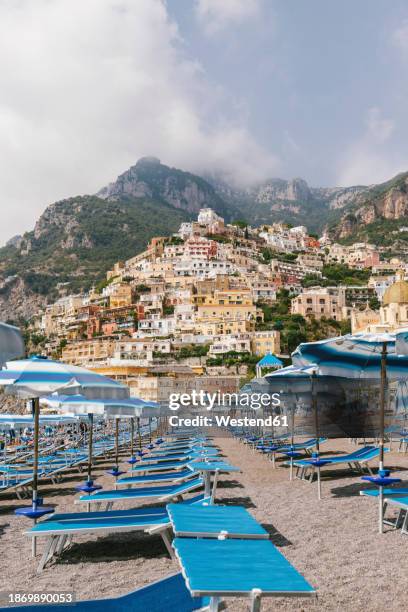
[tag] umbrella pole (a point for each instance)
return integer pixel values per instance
(315, 412)
(317, 433)
(382, 419)
(139, 434)
(292, 440)
(90, 444)
(36, 414)
(132, 435)
(117, 443)
(382, 401)
(150, 430)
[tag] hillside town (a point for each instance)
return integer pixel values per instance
(202, 307)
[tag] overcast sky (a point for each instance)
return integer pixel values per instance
(254, 88)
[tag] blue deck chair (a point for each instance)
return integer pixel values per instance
(401, 504)
(300, 446)
(161, 494)
(59, 529)
(199, 521)
(175, 476)
(357, 460)
(238, 568)
(167, 595)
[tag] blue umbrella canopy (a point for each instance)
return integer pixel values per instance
(11, 343)
(354, 356)
(270, 361)
(37, 377)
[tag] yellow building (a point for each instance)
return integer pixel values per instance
(233, 304)
(226, 312)
(219, 327)
(85, 352)
(265, 342)
(120, 295)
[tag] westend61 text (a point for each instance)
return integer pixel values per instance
(228, 421)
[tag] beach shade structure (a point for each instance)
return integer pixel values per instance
(11, 343)
(37, 377)
(268, 361)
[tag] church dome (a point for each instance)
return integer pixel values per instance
(397, 293)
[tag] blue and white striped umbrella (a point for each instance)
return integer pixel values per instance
(354, 356)
(127, 407)
(37, 377)
(11, 343)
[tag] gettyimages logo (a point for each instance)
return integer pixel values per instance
(210, 401)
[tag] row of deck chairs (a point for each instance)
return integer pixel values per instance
(60, 529)
(357, 460)
(216, 545)
(268, 445)
(16, 473)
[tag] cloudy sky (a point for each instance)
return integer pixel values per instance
(252, 88)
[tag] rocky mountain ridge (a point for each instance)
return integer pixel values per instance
(76, 240)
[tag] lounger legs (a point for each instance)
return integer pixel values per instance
(214, 604)
(165, 537)
(404, 527)
(255, 601)
(47, 553)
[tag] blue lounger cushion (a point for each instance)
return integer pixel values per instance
(364, 454)
(142, 492)
(167, 465)
(399, 500)
(75, 522)
(387, 491)
(166, 477)
(236, 567)
(300, 445)
(167, 595)
(211, 521)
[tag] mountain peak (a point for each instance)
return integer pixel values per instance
(150, 179)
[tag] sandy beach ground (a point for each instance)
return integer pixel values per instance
(333, 542)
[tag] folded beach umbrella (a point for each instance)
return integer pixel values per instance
(11, 343)
(37, 377)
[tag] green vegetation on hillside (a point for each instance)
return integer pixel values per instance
(295, 329)
(100, 233)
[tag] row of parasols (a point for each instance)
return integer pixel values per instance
(68, 389)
